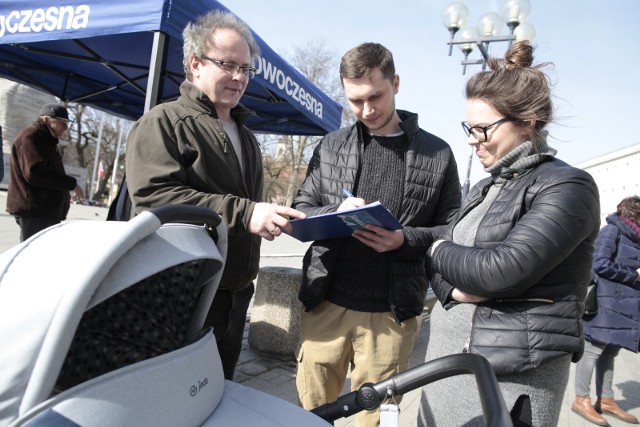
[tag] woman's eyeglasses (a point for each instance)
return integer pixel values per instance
(480, 132)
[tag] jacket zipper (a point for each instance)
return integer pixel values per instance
(467, 344)
(395, 314)
(221, 133)
(543, 300)
(225, 145)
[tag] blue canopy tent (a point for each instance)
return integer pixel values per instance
(124, 57)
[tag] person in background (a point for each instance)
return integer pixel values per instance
(511, 271)
(39, 189)
(362, 294)
(616, 325)
(196, 150)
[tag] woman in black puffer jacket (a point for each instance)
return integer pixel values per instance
(511, 271)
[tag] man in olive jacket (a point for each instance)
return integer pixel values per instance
(197, 151)
(362, 294)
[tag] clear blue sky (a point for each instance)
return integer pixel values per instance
(592, 43)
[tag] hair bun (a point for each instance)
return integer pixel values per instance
(519, 55)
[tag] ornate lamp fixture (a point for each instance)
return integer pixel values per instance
(487, 30)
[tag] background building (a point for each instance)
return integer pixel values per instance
(617, 175)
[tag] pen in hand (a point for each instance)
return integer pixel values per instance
(354, 203)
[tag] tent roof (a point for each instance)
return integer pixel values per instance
(104, 53)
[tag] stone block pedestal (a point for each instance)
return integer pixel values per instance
(275, 315)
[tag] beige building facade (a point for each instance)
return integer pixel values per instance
(617, 175)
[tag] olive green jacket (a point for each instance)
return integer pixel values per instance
(178, 153)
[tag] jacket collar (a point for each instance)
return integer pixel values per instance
(46, 132)
(408, 124)
(201, 102)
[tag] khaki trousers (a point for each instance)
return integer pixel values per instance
(334, 339)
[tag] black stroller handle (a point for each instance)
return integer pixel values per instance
(187, 214)
(370, 396)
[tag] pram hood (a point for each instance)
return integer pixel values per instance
(50, 280)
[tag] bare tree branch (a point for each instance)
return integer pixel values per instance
(286, 156)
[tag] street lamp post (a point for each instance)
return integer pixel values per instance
(487, 31)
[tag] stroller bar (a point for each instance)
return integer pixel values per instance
(186, 214)
(370, 396)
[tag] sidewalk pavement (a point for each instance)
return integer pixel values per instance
(277, 377)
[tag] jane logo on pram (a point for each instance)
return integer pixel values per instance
(201, 384)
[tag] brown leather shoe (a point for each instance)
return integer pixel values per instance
(582, 406)
(610, 406)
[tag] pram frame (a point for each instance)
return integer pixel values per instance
(371, 396)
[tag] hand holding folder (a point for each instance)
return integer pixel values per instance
(343, 223)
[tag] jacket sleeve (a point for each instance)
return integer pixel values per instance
(38, 170)
(157, 174)
(563, 213)
(441, 288)
(604, 262)
(309, 196)
(419, 239)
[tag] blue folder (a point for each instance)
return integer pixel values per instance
(343, 223)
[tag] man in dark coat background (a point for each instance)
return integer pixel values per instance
(38, 194)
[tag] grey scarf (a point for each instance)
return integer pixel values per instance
(524, 156)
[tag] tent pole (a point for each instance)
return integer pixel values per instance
(116, 163)
(97, 156)
(155, 69)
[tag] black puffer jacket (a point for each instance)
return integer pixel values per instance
(431, 199)
(532, 256)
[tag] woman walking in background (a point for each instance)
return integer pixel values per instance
(617, 324)
(511, 271)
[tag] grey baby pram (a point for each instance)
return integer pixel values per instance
(75, 303)
(102, 325)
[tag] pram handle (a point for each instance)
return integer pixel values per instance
(187, 214)
(370, 396)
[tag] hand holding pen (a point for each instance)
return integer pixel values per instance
(351, 201)
(347, 193)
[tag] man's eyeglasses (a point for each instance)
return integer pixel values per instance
(232, 68)
(480, 132)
